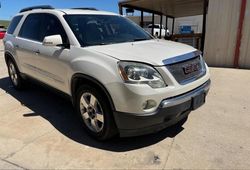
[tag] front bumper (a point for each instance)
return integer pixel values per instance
(170, 111)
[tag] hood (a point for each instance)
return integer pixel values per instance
(152, 51)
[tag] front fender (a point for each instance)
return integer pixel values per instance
(101, 67)
(98, 66)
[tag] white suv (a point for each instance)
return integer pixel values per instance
(119, 78)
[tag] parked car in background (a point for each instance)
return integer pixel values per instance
(164, 31)
(119, 78)
(2, 33)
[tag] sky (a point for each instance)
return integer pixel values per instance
(11, 7)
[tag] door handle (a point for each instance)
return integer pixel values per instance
(16, 46)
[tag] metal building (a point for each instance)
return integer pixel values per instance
(226, 26)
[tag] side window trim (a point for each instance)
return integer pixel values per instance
(28, 39)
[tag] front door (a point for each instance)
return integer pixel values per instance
(52, 61)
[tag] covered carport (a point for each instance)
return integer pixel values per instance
(169, 8)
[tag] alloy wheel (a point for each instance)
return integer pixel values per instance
(13, 74)
(91, 112)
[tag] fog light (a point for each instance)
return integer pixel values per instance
(149, 104)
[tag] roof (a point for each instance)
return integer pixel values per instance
(68, 12)
(174, 8)
(91, 12)
(48, 8)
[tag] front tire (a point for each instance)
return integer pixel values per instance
(95, 113)
(14, 74)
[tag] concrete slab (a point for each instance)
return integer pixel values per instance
(40, 131)
(217, 135)
(8, 165)
(3, 66)
(55, 150)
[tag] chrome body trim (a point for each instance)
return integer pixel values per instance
(186, 97)
(181, 58)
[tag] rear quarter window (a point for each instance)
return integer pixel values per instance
(15, 21)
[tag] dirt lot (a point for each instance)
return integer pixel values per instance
(39, 130)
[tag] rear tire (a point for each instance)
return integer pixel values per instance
(14, 74)
(95, 112)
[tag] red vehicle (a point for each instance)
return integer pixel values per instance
(2, 33)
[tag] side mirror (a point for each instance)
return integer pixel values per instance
(53, 40)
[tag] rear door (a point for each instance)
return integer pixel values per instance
(28, 42)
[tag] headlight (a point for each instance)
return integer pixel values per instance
(137, 73)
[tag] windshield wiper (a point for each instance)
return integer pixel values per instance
(140, 39)
(104, 43)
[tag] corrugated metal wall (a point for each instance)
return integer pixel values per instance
(222, 27)
(245, 43)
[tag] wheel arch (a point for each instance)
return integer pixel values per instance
(79, 79)
(8, 56)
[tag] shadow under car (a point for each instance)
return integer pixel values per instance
(60, 113)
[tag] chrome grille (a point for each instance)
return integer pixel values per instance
(188, 70)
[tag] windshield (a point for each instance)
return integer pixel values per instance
(104, 29)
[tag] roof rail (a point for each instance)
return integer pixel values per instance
(37, 7)
(92, 9)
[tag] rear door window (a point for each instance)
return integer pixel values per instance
(15, 21)
(31, 28)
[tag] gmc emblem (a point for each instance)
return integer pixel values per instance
(190, 68)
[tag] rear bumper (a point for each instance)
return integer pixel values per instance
(170, 112)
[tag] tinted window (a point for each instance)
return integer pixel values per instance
(52, 26)
(15, 21)
(38, 26)
(31, 28)
(104, 29)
